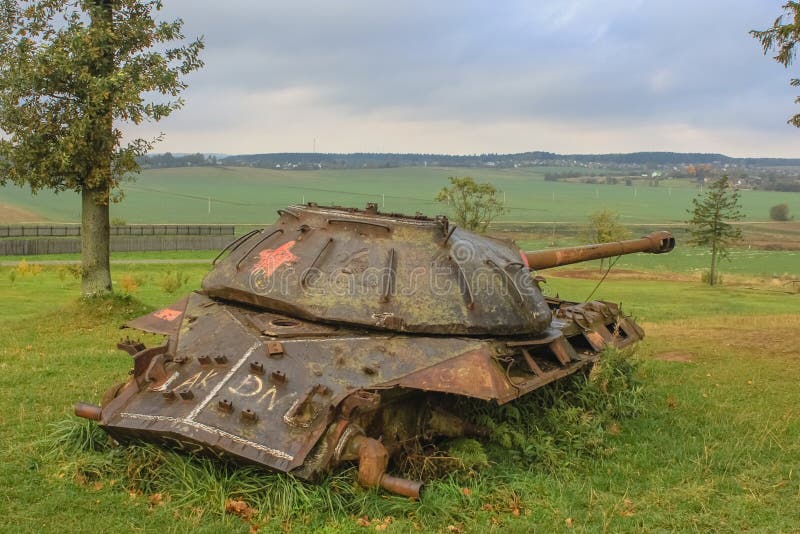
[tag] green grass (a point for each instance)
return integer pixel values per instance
(715, 445)
(657, 301)
(247, 195)
(767, 263)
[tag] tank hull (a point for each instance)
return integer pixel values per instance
(273, 390)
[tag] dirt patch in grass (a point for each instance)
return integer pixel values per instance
(674, 356)
(781, 284)
(765, 336)
(772, 244)
(11, 215)
(773, 235)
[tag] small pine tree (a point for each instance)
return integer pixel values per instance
(709, 224)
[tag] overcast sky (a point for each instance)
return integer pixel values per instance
(461, 77)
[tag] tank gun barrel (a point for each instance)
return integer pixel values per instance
(655, 243)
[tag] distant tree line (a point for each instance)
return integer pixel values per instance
(609, 178)
(786, 185)
(167, 160)
(690, 165)
(306, 160)
(556, 176)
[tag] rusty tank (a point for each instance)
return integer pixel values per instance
(333, 335)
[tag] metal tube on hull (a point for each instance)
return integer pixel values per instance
(656, 243)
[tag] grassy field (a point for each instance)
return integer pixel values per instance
(714, 445)
(684, 259)
(246, 195)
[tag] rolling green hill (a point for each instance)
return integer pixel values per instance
(250, 195)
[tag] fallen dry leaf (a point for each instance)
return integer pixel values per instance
(614, 429)
(672, 402)
(240, 508)
(627, 508)
(156, 499)
(568, 522)
(383, 525)
(466, 492)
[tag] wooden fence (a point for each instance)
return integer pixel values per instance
(74, 230)
(30, 239)
(71, 245)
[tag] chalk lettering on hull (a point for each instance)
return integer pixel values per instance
(190, 382)
(249, 387)
(272, 394)
(201, 377)
(211, 374)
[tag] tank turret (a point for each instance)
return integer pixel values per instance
(393, 272)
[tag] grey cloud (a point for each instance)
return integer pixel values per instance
(617, 62)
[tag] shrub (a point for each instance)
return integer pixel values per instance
(74, 270)
(705, 277)
(779, 212)
(130, 283)
(172, 282)
(24, 268)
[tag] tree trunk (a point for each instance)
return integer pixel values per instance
(95, 241)
(713, 274)
(95, 230)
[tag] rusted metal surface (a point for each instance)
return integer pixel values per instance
(88, 411)
(270, 365)
(388, 272)
(655, 243)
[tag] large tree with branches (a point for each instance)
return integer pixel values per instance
(72, 72)
(781, 39)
